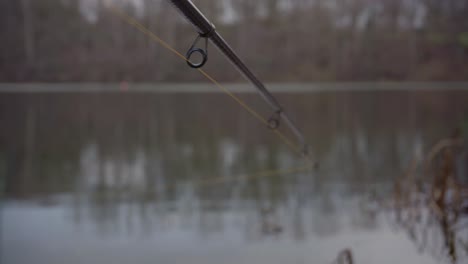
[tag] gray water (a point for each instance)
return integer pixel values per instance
(161, 177)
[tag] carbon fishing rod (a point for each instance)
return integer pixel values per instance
(207, 30)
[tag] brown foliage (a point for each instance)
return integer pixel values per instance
(308, 40)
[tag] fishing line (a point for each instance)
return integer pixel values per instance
(153, 36)
(267, 173)
(297, 149)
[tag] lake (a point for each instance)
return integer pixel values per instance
(123, 175)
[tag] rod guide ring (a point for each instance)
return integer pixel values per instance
(202, 53)
(193, 49)
(274, 120)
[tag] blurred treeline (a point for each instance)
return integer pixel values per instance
(295, 40)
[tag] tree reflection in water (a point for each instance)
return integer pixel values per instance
(139, 164)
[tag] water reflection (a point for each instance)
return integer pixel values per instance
(154, 166)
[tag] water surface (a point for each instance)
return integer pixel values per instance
(145, 177)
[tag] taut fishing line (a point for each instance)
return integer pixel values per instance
(267, 122)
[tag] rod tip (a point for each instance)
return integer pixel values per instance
(306, 154)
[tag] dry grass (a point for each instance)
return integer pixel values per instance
(429, 199)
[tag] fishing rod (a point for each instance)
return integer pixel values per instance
(207, 30)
